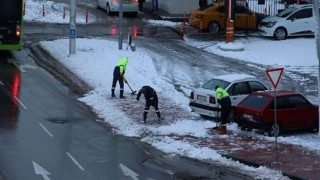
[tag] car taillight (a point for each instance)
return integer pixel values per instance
(18, 31)
(212, 100)
(200, 16)
(192, 95)
(134, 1)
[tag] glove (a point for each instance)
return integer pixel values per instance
(126, 81)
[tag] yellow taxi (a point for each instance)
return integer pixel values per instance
(213, 18)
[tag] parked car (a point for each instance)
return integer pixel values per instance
(130, 6)
(239, 86)
(297, 20)
(213, 17)
(293, 111)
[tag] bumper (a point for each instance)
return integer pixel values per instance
(127, 7)
(264, 31)
(204, 109)
(246, 123)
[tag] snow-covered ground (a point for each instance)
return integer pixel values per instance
(94, 63)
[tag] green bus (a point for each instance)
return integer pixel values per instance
(11, 24)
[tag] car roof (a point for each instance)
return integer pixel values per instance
(236, 77)
(279, 93)
(300, 6)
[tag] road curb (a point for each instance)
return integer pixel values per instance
(248, 163)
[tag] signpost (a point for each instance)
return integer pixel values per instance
(274, 76)
(120, 23)
(72, 35)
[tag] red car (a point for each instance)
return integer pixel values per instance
(293, 111)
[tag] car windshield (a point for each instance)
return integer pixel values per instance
(215, 82)
(207, 7)
(287, 12)
(257, 102)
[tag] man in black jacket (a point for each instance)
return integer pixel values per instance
(151, 100)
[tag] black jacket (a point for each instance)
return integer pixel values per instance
(149, 93)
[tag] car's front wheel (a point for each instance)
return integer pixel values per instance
(280, 34)
(214, 27)
(274, 130)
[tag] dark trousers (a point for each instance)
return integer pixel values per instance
(117, 77)
(154, 5)
(140, 6)
(225, 109)
(153, 103)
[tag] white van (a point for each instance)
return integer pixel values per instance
(111, 6)
(297, 20)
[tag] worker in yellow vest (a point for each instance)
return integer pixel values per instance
(225, 102)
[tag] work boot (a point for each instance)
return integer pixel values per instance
(145, 117)
(223, 130)
(121, 95)
(112, 93)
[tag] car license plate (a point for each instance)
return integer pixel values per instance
(201, 98)
(247, 116)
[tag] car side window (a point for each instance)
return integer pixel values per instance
(304, 13)
(298, 102)
(221, 9)
(282, 103)
(242, 10)
(244, 88)
(234, 90)
(256, 86)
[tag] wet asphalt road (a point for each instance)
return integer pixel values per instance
(46, 133)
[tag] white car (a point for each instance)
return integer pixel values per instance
(239, 86)
(111, 6)
(297, 20)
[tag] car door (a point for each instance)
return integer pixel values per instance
(300, 116)
(102, 4)
(283, 113)
(238, 91)
(300, 22)
(244, 18)
(257, 86)
(220, 16)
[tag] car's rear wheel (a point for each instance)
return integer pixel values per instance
(214, 27)
(274, 130)
(280, 34)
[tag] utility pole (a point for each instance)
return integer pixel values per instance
(120, 24)
(72, 35)
(316, 35)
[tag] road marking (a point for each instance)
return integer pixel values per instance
(1, 83)
(25, 107)
(75, 161)
(128, 172)
(45, 129)
(147, 152)
(40, 170)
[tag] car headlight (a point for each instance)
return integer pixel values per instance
(270, 24)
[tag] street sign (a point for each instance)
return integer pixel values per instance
(274, 76)
(72, 33)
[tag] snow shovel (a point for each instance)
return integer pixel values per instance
(132, 92)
